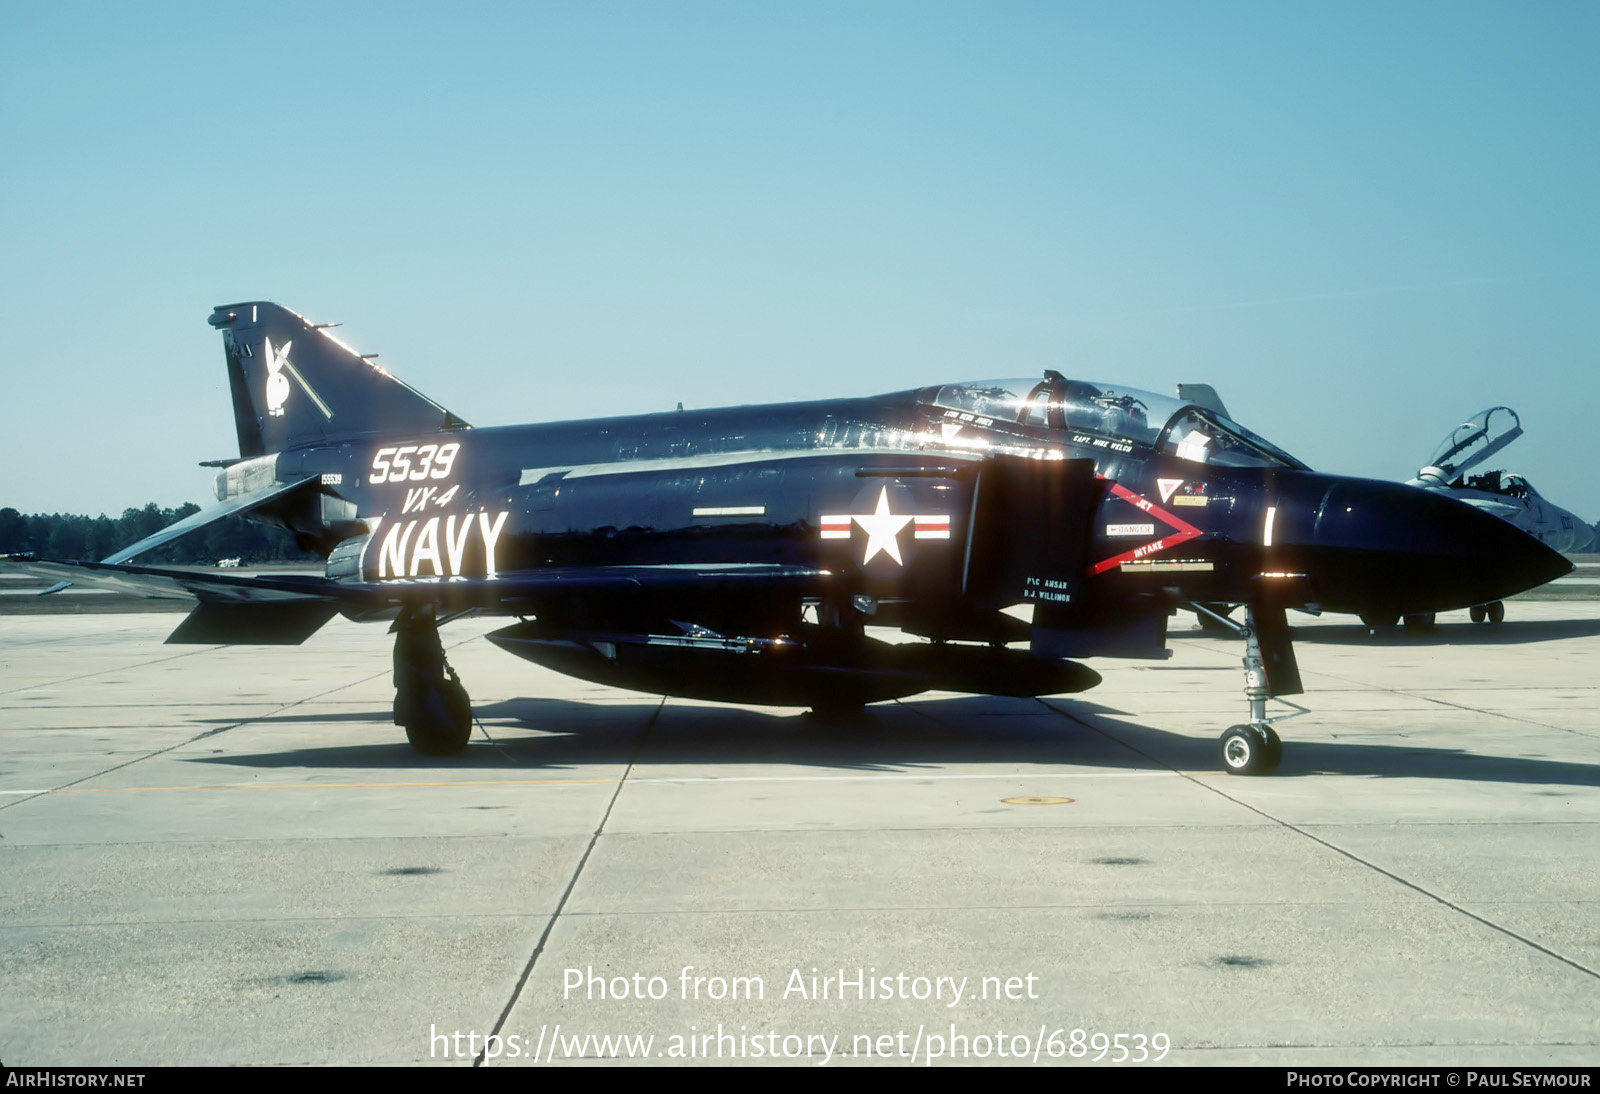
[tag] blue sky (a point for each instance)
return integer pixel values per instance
(1362, 222)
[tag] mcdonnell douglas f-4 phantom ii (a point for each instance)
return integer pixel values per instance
(740, 554)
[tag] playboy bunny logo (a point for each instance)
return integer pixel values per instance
(277, 382)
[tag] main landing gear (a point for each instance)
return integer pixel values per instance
(1414, 621)
(1493, 612)
(428, 697)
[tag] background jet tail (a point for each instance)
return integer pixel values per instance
(295, 384)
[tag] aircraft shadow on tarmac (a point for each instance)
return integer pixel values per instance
(1449, 633)
(897, 738)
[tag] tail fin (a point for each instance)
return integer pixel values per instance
(295, 384)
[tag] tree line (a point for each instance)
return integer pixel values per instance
(69, 536)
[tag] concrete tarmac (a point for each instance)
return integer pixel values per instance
(229, 855)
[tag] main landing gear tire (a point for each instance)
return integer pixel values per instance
(1251, 750)
(429, 700)
(439, 722)
(1495, 612)
(1380, 619)
(1476, 613)
(1421, 621)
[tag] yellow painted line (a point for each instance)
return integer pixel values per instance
(1014, 777)
(324, 786)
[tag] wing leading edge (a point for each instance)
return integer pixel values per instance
(289, 608)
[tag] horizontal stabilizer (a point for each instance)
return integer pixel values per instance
(277, 623)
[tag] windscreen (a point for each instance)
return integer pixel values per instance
(1095, 409)
(1202, 436)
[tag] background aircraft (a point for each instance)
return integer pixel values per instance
(740, 554)
(1508, 496)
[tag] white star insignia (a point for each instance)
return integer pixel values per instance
(883, 529)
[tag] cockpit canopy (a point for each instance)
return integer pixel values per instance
(1092, 410)
(1472, 442)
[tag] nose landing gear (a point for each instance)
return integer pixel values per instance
(1253, 748)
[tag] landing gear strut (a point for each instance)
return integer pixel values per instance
(428, 697)
(1253, 748)
(841, 625)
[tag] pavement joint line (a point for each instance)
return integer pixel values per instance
(632, 913)
(808, 833)
(27, 642)
(902, 908)
(1472, 710)
(418, 784)
(191, 740)
(572, 883)
(159, 660)
(1452, 905)
(1353, 857)
(445, 916)
(1011, 777)
(119, 668)
(1357, 685)
(321, 786)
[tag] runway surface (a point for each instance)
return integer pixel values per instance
(229, 855)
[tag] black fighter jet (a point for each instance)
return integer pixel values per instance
(1006, 527)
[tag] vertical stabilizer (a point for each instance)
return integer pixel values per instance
(295, 384)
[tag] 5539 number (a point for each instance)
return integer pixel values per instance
(413, 462)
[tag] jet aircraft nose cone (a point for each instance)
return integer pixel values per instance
(1378, 545)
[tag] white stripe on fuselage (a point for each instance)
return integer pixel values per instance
(531, 475)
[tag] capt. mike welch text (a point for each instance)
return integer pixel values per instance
(927, 1042)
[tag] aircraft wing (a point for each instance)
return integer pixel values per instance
(656, 578)
(1502, 509)
(159, 583)
(289, 608)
